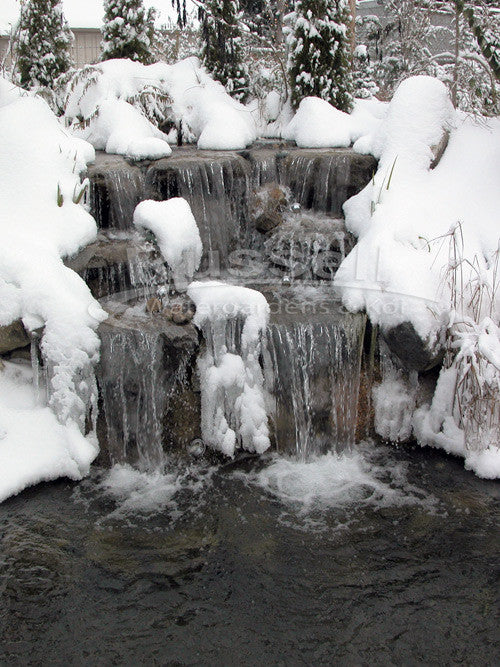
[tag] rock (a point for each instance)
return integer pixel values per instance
(268, 205)
(13, 336)
(414, 353)
(268, 221)
(2, 365)
(182, 313)
(153, 305)
(438, 151)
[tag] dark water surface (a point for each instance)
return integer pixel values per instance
(228, 574)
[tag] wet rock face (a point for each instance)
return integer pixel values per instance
(414, 353)
(12, 337)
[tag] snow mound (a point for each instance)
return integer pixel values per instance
(34, 446)
(403, 220)
(176, 231)
(119, 128)
(317, 124)
(233, 411)
(183, 94)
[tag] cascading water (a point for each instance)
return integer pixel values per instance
(114, 194)
(144, 364)
(321, 182)
(217, 191)
(305, 375)
(313, 374)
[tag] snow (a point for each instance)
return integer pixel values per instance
(34, 446)
(209, 116)
(121, 129)
(39, 224)
(317, 124)
(233, 411)
(173, 224)
(398, 270)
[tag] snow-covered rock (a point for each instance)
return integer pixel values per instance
(233, 409)
(121, 129)
(173, 224)
(317, 124)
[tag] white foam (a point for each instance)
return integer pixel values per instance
(365, 477)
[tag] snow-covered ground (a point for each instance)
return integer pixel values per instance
(42, 219)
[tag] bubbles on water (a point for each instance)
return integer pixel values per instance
(126, 494)
(365, 478)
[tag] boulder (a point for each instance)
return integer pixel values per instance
(13, 336)
(413, 352)
(268, 205)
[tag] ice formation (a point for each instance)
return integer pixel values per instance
(176, 231)
(233, 320)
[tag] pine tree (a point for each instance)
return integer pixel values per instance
(43, 49)
(222, 46)
(320, 57)
(127, 31)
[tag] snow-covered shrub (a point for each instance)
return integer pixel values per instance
(127, 30)
(43, 47)
(182, 95)
(464, 67)
(42, 220)
(320, 56)
(464, 416)
(364, 85)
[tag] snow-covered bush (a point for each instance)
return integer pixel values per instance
(182, 95)
(464, 416)
(465, 67)
(364, 85)
(42, 220)
(320, 57)
(43, 47)
(127, 30)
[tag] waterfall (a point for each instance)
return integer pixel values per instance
(321, 182)
(144, 365)
(114, 194)
(313, 374)
(216, 190)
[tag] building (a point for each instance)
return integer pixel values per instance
(86, 46)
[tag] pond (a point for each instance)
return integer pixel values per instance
(385, 556)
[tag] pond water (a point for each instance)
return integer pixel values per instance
(382, 557)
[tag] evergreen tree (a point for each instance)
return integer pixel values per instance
(127, 31)
(43, 49)
(320, 56)
(222, 46)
